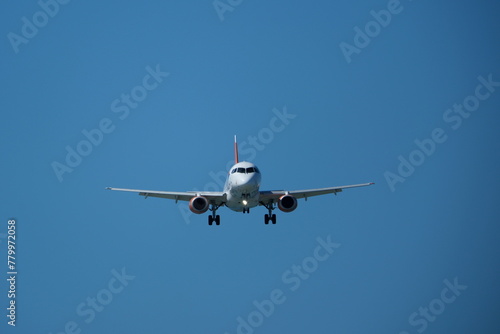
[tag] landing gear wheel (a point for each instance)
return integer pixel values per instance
(217, 220)
(210, 220)
(266, 219)
(273, 218)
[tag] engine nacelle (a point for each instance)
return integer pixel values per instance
(198, 205)
(287, 203)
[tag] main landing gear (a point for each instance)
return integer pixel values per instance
(269, 217)
(214, 217)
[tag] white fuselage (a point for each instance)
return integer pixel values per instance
(242, 186)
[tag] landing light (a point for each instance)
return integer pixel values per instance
(244, 202)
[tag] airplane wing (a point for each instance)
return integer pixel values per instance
(213, 197)
(273, 195)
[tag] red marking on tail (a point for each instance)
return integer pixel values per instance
(236, 160)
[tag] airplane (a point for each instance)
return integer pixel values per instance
(241, 193)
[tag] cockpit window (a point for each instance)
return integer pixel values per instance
(242, 170)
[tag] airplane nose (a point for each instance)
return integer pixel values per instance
(253, 179)
(248, 181)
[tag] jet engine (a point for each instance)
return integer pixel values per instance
(198, 205)
(287, 203)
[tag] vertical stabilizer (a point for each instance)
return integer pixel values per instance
(236, 160)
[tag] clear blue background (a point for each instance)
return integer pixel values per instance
(352, 122)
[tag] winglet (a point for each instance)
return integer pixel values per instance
(236, 160)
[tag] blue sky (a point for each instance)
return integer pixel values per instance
(405, 94)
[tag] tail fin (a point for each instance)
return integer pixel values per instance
(236, 160)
